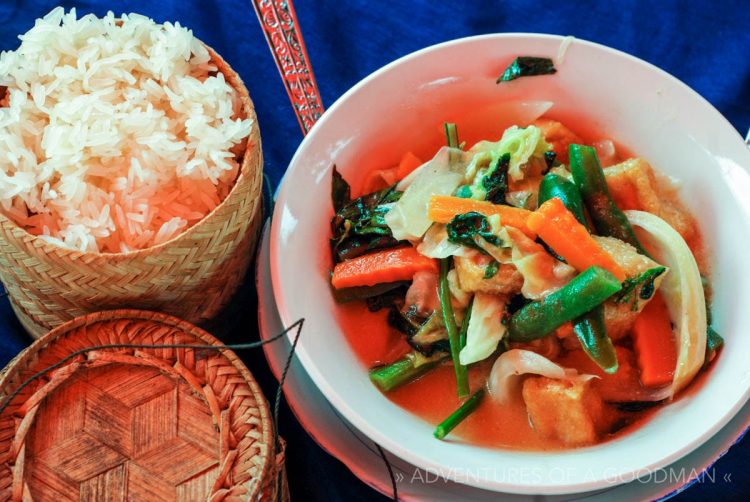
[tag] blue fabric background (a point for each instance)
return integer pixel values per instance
(703, 43)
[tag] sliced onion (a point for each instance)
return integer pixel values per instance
(505, 376)
(683, 293)
(485, 328)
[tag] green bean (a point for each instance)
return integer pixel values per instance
(459, 415)
(408, 368)
(451, 134)
(607, 217)
(587, 290)
(590, 327)
(462, 377)
(592, 333)
(554, 185)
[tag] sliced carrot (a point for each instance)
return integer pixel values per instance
(443, 208)
(388, 265)
(409, 162)
(557, 227)
(654, 343)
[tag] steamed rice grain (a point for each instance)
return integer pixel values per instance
(116, 134)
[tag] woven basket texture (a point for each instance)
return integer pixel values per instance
(135, 424)
(191, 276)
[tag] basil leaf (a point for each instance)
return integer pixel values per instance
(639, 287)
(491, 270)
(425, 334)
(341, 192)
(550, 159)
(714, 341)
(465, 228)
(526, 66)
(407, 321)
(496, 182)
(352, 247)
(359, 225)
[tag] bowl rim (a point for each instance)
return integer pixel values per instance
(360, 422)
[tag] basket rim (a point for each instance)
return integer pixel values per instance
(253, 147)
(27, 356)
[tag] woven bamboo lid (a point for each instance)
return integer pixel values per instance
(134, 424)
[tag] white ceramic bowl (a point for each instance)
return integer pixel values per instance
(402, 107)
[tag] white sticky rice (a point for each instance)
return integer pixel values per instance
(115, 134)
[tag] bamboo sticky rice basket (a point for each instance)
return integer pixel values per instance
(135, 424)
(191, 276)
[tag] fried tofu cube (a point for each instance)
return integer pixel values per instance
(567, 410)
(627, 257)
(633, 185)
(470, 271)
(558, 136)
(620, 317)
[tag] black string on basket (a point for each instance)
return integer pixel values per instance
(390, 471)
(279, 393)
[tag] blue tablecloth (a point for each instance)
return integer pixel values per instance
(704, 43)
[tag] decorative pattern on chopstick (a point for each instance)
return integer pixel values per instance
(281, 28)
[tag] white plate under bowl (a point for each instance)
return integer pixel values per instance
(401, 107)
(359, 454)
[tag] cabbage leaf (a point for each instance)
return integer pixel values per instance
(407, 219)
(524, 145)
(485, 328)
